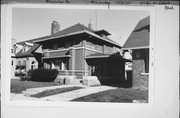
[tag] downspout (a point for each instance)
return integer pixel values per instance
(85, 57)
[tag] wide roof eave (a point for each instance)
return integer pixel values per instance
(75, 33)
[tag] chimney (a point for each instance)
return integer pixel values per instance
(90, 24)
(55, 27)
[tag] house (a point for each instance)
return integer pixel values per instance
(80, 52)
(13, 60)
(26, 56)
(138, 45)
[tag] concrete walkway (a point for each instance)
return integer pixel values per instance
(66, 96)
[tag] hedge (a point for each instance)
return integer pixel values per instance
(44, 75)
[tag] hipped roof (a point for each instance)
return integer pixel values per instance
(74, 30)
(139, 38)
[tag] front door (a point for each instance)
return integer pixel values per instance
(96, 68)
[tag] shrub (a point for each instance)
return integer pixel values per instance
(25, 78)
(44, 75)
(29, 72)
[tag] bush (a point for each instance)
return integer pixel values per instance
(44, 75)
(25, 78)
(29, 72)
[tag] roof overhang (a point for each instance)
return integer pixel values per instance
(76, 33)
(134, 48)
(107, 56)
(96, 57)
(54, 57)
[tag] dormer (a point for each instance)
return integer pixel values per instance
(26, 46)
(102, 33)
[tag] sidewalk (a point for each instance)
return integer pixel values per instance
(66, 96)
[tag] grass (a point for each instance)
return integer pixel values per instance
(54, 91)
(17, 86)
(123, 95)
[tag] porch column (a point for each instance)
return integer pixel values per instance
(85, 65)
(72, 61)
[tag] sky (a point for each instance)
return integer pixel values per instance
(28, 23)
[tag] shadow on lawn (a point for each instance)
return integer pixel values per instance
(55, 91)
(121, 95)
(117, 83)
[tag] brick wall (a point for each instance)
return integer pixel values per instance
(139, 81)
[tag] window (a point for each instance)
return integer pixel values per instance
(67, 44)
(24, 63)
(12, 51)
(33, 66)
(19, 62)
(12, 63)
(55, 46)
(61, 44)
(60, 64)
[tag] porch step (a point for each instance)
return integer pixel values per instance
(68, 80)
(73, 81)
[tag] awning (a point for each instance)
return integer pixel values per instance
(54, 57)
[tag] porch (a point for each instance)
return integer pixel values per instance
(109, 69)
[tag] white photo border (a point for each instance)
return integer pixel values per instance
(6, 58)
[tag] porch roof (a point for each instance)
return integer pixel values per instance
(53, 57)
(100, 56)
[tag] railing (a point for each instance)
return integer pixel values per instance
(56, 53)
(73, 72)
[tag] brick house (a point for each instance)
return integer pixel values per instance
(138, 45)
(79, 52)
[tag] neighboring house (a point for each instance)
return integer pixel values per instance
(13, 60)
(27, 56)
(138, 45)
(80, 51)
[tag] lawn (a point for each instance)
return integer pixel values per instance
(123, 95)
(55, 91)
(17, 86)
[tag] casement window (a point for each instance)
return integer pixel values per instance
(67, 44)
(60, 64)
(55, 46)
